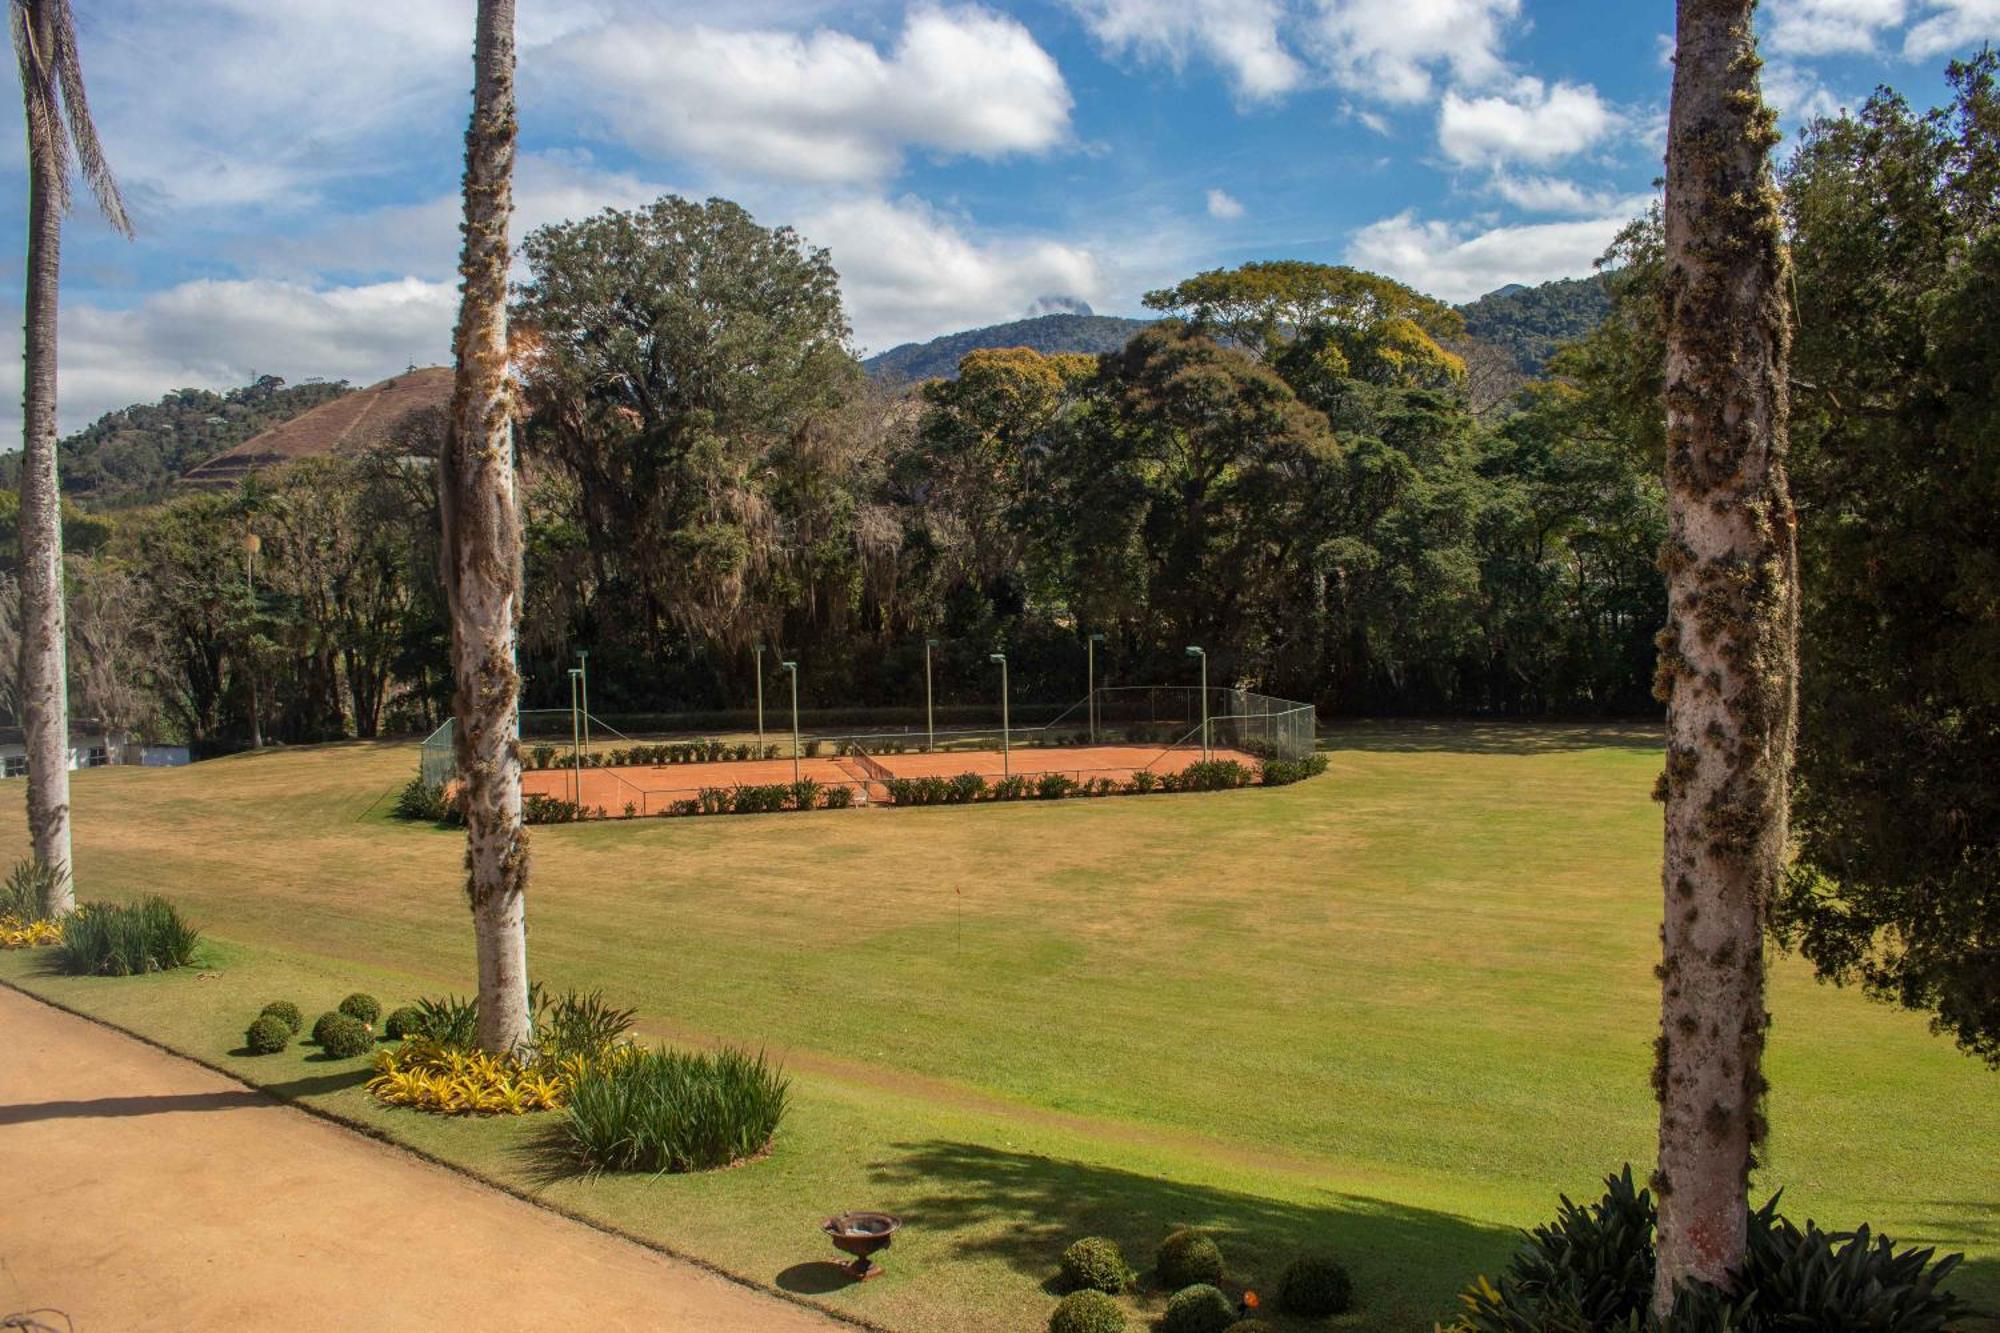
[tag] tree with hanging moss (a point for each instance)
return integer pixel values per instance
(1727, 654)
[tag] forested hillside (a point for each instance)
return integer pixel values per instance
(133, 455)
(1529, 323)
(939, 358)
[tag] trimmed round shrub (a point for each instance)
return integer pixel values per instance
(1186, 1258)
(286, 1011)
(362, 1008)
(342, 1035)
(1198, 1309)
(1096, 1264)
(405, 1022)
(1316, 1284)
(1087, 1311)
(268, 1035)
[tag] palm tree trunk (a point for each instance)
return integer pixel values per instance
(44, 673)
(482, 552)
(1728, 654)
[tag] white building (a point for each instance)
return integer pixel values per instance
(91, 746)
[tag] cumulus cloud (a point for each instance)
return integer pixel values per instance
(820, 107)
(1459, 264)
(1831, 27)
(1390, 49)
(1554, 194)
(1796, 92)
(1242, 36)
(1530, 122)
(1224, 206)
(216, 334)
(1952, 26)
(909, 272)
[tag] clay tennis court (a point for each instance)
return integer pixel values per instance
(651, 789)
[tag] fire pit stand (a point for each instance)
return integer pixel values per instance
(861, 1235)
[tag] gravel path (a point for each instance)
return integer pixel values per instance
(144, 1191)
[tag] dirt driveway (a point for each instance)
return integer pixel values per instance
(143, 1191)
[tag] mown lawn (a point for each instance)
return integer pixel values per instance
(1393, 1010)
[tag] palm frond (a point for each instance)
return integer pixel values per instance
(53, 91)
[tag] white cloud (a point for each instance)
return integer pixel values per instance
(1389, 49)
(1239, 35)
(1552, 194)
(1458, 264)
(1797, 93)
(909, 272)
(824, 107)
(1952, 26)
(1530, 122)
(212, 334)
(1224, 206)
(1831, 27)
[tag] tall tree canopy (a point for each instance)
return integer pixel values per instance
(1261, 306)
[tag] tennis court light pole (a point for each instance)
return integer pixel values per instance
(1090, 687)
(793, 667)
(575, 741)
(760, 701)
(583, 677)
(930, 714)
(1006, 744)
(1196, 651)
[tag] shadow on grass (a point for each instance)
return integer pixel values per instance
(1024, 1209)
(815, 1279)
(318, 1085)
(1471, 737)
(106, 1108)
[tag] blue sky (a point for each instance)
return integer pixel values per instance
(292, 164)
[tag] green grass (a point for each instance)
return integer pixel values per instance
(1390, 1011)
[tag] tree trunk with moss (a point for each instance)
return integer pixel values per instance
(482, 552)
(1727, 656)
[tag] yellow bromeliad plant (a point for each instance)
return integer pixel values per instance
(18, 934)
(578, 1033)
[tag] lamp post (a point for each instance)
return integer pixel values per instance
(583, 677)
(930, 714)
(1006, 743)
(252, 544)
(760, 700)
(1195, 651)
(1090, 687)
(793, 667)
(575, 740)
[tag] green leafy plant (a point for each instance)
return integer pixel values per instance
(579, 1025)
(838, 798)
(1087, 1311)
(268, 1034)
(1314, 1285)
(1283, 772)
(1011, 788)
(1143, 781)
(342, 1035)
(447, 1020)
(664, 1110)
(420, 800)
(120, 940)
(1094, 1262)
(1054, 786)
(539, 809)
(1200, 1308)
(1187, 1257)
(29, 886)
(362, 1006)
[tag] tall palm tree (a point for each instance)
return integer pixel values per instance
(59, 125)
(481, 555)
(1728, 656)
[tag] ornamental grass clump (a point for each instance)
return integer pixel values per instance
(670, 1111)
(1185, 1258)
(1094, 1263)
(1087, 1311)
(122, 940)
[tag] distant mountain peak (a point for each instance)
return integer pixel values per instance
(1073, 330)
